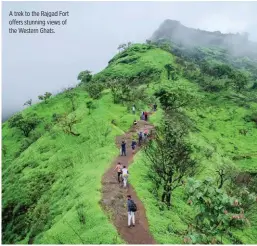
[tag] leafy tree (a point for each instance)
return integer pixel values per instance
(94, 90)
(169, 68)
(120, 90)
(67, 123)
(25, 124)
(169, 158)
(217, 212)
(71, 96)
(90, 106)
(45, 97)
(29, 102)
(240, 81)
(85, 76)
(225, 173)
(174, 99)
(122, 47)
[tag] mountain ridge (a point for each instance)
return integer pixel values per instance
(237, 44)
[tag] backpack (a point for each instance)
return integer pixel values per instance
(133, 206)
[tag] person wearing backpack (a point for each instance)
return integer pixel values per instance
(132, 208)
(140, 138)
(133, 145)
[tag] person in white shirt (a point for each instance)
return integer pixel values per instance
(134, 109)
(125, 174)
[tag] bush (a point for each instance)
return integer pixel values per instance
(94, 89)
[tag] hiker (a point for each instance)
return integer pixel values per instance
(133, 145)
(155, 107)
(145, 134)
(146, 116)
(125, 174)
(135, 122)
(119, 172)
(123, 148)
(134, 109)
(143, 116)
(132, 208)
(140, 138)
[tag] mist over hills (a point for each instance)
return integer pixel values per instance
(237, 44)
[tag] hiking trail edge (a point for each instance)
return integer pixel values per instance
(114, 197)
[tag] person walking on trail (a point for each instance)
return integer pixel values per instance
(155, 107)
(123, 148)
(143, 116)
(133, 145)
(140, 138)
(145, 134)
(134, 109)
(125, 174)
(132, 208)
(146, 116)
(119, 171)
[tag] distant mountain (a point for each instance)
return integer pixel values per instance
(236, 44)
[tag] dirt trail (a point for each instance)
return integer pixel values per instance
(114, 197)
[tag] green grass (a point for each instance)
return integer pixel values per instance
(59, 176)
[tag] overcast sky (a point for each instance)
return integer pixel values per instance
(35, 63)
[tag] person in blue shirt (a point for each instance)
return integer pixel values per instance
(123, 148)
(133, 145)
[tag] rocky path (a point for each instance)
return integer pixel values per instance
(114, 197)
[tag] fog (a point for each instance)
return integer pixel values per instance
(36, 63)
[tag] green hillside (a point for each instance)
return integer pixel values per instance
(51, 180)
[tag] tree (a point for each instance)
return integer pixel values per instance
(217, 212)
(85, 76)
(169, 68)
(29, 102)
(94, 89)
(240, 81)
(45, 97)
(122, 47)
(71, 96)
(90, 106)
(169, 158)
(120, 90)
(25, 124)
(225, 173)
(67, 123)
(173, 99)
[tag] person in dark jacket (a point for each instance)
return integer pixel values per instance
(131, 215)
(146, 116)
(140, 138)
(133, 145)
(123, 148)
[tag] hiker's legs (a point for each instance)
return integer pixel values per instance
(129, 218)
(125, 181)
(123, 152)
(133, 218)
(119, 174)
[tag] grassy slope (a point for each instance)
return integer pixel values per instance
(219, 133)
(78, 163)
(74, 165)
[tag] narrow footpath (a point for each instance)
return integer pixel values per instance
(114, 197)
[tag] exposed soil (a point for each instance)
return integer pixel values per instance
(114, 196)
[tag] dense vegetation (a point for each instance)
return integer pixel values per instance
(55, 152)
